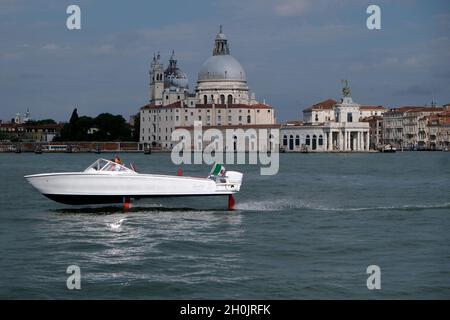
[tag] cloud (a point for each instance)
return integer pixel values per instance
(105, 49)
(50, 47)
(416, 90)
(292, 7)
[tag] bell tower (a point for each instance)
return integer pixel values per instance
(156, 80)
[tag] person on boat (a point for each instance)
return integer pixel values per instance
(118, 161)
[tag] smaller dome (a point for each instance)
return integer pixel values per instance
(178, 79)
(174, 77)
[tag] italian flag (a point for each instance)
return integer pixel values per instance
(218, 170)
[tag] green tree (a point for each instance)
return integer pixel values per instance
(109, 128)
(112, 128)
(41, 122)
(136, 127)
(74, 117)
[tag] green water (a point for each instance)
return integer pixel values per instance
(308, 232)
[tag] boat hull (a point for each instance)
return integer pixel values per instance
(83, 188)
(101, 199)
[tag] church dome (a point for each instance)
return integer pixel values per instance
(174, 77)
(221, 66)
(177, 79)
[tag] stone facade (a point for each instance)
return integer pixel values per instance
(221, 98)
(407, 127)
(328, 126)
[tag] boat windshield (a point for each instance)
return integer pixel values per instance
(106, 165)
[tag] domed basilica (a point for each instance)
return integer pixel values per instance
(221, 98)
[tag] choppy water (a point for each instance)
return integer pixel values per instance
(308, 232)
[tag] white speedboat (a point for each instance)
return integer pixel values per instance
(108, 182)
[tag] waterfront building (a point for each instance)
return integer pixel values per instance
(30, 132)
(436, 132)
(406, 127)
(328, 126)
(370, 111)
(375, 131)
(221, 98)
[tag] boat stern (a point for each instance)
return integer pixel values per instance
(234, 179)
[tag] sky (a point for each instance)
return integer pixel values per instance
(295, 52)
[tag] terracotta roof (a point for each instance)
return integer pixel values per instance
(372, 108)
(242, 126)
(324, 105)
(153, 106)
(234, 106)
(209, 106)
(442, 118)
(427, 109)
(417, 109)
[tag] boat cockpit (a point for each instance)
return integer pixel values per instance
(103, 165)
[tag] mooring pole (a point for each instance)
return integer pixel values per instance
(231, 202)
(126, 203)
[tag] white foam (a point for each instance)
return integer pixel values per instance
(283, 204)
(116, 225)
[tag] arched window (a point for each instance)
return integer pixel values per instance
(249, 119)
(297, 140)
(320, 140)
(230, 99)
(205, 99)
(222, 99)
(285, 140)
(349, 117)
(317, 117)
(291, 142)
(308, 140)
(212, 99)
(270, 142)
(314, 142)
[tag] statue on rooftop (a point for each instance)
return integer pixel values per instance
(346, 89)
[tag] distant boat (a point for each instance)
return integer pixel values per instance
(147, 150)
(53, 148)
(38, 150)
(388, 149)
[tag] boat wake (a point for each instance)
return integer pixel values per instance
(116, 225)
(286, 204)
